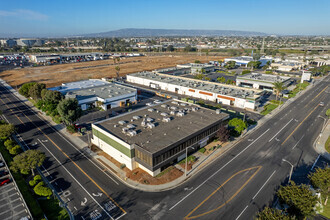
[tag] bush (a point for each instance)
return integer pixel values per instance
(9, 144)
(122, 166)
(35, 180)
(71, 129)
(245, 72)
(41, 190)
(202, 150)
(15, 150)
(328, 113)
(24, 90)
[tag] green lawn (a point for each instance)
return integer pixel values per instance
(327, 145)
(190, 158)
(299, 87)
(268, 108)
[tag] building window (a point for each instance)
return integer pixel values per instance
(144, 157)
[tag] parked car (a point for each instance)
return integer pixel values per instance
(149, 103)
(3, 173)
(4, 182)
(157, 101)
(321, 104)
(1, 164)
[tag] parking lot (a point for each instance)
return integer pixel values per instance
(12, 205)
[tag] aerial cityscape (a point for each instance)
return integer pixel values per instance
(159, 110)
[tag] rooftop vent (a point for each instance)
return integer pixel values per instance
(218, 111)
(175, 102)
(124, 130)
(180, 114)
(173, 108)
(164, 106)
(172, 112)
(122, 122)
(151, 109)
(150, 119)
(143, 123)
(167, 119)
(131, 126)
(150, 125)
(164, 114)
(136, 117)
(131, 133)
(182, 104)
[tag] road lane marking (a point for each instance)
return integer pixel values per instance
(316, 96)
(280, 130)
(217, 171)
(263, 185)
(12, 111)
(298, 142)
(75, 179)
(300, 124)
(227, 201)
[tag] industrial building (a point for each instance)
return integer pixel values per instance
(98, 93)
(261, 81)
(216, 92)
(287, 66)
(154, 137)
(244, 60)
(196, 68)
(24, 42)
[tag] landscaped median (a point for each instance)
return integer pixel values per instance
(271, 106)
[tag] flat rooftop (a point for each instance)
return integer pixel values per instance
(194, 84)
(264, 77)
(107, 91)
(242, 58)
(164, 133)
(66, 87)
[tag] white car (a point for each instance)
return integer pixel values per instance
(149, 104)
(321, 104)
(157, 101)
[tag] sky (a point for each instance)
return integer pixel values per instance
(74, 17)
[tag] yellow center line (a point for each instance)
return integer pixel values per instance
(12, 112)
(73, 162)
(316, 96)
(231, 198)
(299, 124)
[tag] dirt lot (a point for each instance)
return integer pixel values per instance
(55, 75)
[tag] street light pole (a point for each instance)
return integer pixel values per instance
(185, 171)
(290, 170)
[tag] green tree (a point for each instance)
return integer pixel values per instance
(222, 134)
(69, 110)
(117, 71)
(278, 88)
(170, 48)
(6, 130)
(328, 113)
(199, 76)
(320, 180)
(24, 90)
(197, 61)
(36, 179)
(35, 90)
(300, 199)
(15, 150)
(230, 82)
(246, 72)
(27, 161)
(51, 96)
(221, 79)
(41, 190)
(254, 64)
(273, 214)
(207, 78)
(230, 64)
(238, 124)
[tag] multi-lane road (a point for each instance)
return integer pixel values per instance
(234, 186)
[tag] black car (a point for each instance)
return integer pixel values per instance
(3, 173)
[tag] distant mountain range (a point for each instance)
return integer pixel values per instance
(137, 32)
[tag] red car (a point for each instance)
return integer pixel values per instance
(4, 182)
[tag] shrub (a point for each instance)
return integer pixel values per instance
(36, 179)
(24, 90)
(71, 129)
(246, 72)
(9, 144)
(41, 190)
(15, 150)
(328, 112)
(122, 166)
(202, 150)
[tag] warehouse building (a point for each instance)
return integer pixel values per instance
(261, 81)
(196, 68)
(154, 137)
(98, 93)
(211, 91)
(244, 60)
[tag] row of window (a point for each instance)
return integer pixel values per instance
(144, 157)
(181, 147)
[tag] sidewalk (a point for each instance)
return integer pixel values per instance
(204, 160)
(319, 143)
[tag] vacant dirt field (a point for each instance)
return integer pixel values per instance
(55, 75)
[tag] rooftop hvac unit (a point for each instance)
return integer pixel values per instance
(167, 119)
(150, 125)
(151, 109)
(164, 106)
(115, 126)
(173, 108)
(121, 122)
(131, 126)
(124, 130)
(150, 119)
(194, 109)
(218, 111)
(164, 114)
(182, 104)
(172, 112)
(175, 102)
(136, 117)
(180, 114)
(143, 123)
(131, 133)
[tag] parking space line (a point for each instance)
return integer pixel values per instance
(7, 191)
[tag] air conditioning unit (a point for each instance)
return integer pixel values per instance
(121, 122)
(164, 114)
(131, 133)
(167, 119)
(180, 114)
(150, 125)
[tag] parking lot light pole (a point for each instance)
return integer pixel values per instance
(185, 171)
(290, 170)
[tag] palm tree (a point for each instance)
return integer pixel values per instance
(278, 88)
(117, 71)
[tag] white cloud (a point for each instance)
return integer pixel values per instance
(25, 14)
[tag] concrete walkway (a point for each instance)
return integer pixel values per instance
(319, 143)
